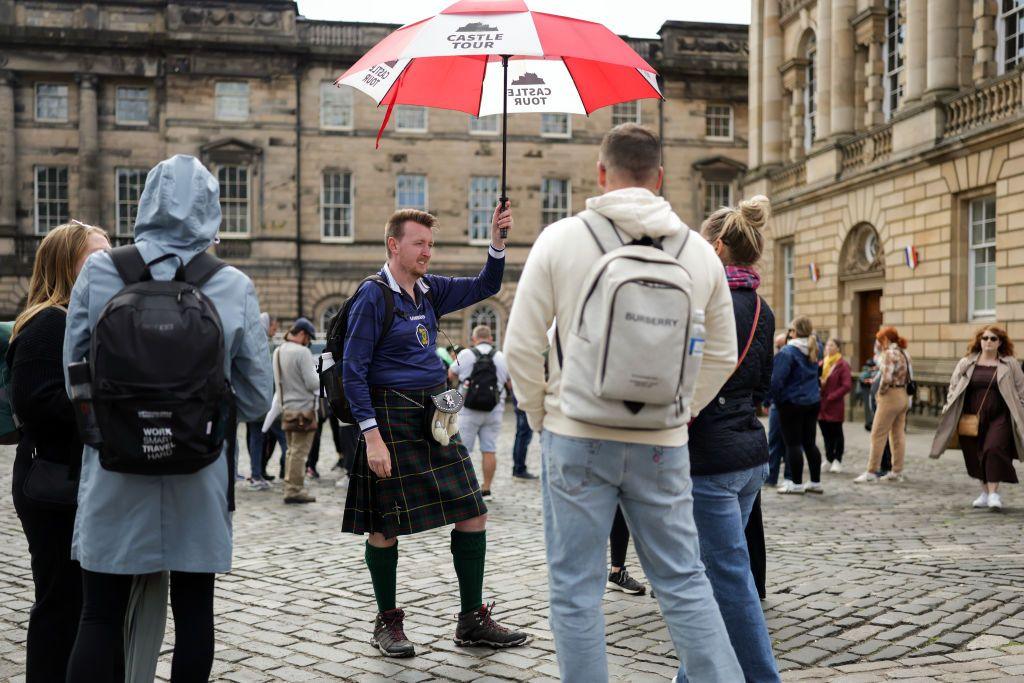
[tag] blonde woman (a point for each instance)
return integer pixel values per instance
(988, 384)
(890, 421)
(49, 444)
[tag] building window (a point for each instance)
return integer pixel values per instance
(1011, 34)
(810, 101)
(626, 112)
(234, 199)
(51, 197)
(132, 105)
(130, 183)
(411, 192)
(485, 315)
(483, 197)
(335, 107)
(716, 195)
(483, 125)
(555, 125)
(892, 54)
(327, 316)
(718, 121)
(788, 282)
(232, 101)
(336, 206)
(412, 119)
(51, 102)
(981, 255)
(555, 200)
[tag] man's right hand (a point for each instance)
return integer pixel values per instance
(377, 454)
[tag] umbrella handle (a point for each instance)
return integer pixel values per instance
(503, 204)
(503, 201)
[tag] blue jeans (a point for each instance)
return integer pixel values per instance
(254, 440)
(523, 437)
(776, 448)
(583, 480)
(721, 508)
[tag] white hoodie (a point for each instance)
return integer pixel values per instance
(549, 288)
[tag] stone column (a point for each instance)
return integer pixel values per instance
(823, 71)
(915, 65)
(754, 77)
(88, 151)
(942, 70)
(771, 114)
(8, 156)
(794, 81)
(984, 40)
(842, 114)
(874, 91)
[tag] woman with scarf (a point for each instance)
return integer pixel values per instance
(728, 446)
(797, 394)
(889, 425)
(836, 382)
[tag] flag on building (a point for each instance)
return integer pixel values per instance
(813, 271)
(910, 256)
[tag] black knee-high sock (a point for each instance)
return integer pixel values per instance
(383, 566)
(468, 551)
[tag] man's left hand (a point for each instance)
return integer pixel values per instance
(502, 219)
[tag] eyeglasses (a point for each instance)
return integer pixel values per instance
(988, 338)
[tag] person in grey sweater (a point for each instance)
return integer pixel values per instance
(297, 385)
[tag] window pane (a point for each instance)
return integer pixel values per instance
(485, 124)
(337, 205)
(810, 101)
(718, 121)
(411, 192)
(483, 197)
(51, 191)
(130, 184)
(132, 105)
(234, 198)
(554, 200)
(51, 102)
(716, 195)
(626, 112)
(335, 106)
(893, 58)
(554, 124)
(410, 118)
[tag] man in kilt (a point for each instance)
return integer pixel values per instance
(403, 480)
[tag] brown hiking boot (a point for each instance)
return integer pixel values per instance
(389, 636)
(477, 628)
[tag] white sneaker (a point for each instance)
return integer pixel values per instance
(813, 487)
(342, 482)
(836, 467)
(981, 501)
(894, 476)
(790, 487)
(784, 484)
(995, 502)
(866, 476)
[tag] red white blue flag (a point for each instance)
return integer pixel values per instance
(910, 256)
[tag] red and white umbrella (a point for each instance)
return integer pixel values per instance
(488, 57)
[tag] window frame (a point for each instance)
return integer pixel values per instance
(485, 132)
(543, 195)
(489, 310)
(222, 231)
(117, 106)
(717, 183)
(486, 208)
(972, 249)
(218, 98)
(338, 239)
(559, 135)
(810, 96)
(119, 172)
(892, 89)
(426, 191)
(325, 321)
(731, 122)
(406, 108)
(1001, 22)
(637, 117)
(328, 86)
(57, 201)
(787, 279)
(67, 102)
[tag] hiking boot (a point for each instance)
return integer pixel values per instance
(389, 635)
(622, 581)
(300, 498)
(477, 628)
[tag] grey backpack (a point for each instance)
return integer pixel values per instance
(635, 343)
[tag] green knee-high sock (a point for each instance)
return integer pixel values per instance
(468, 551)
(383, 566)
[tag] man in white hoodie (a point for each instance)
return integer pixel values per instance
(589, 469)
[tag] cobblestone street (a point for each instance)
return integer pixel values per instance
(866, 583)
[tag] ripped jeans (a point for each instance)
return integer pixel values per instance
(583, 482)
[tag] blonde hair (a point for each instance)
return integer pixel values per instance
(739, 229)
(53, 274)
(803, 327)
(482, 332)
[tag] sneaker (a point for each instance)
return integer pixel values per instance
(995, 502)
(312, 473)
(268, 477)
(342, 482)
(789, 487)
(300, 499)
(784, 484)
(865, 477)
(485, 492)
(836, 468)
(981, 501)
(389, 636)
(258, 485)
(813, 487)
(893, 476)
(525, 476)
(477, 628)
(622, 581)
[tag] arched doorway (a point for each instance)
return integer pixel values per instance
(862, 279)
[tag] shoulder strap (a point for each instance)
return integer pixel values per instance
(389, 302)
(686, 238)
(202, 267)
(593, 233)
(476, 352)
(750, 339)
(129, 263)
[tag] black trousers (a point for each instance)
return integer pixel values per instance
(756, 547)
(53, 620)
(835, 442)
(98, 656)
(314, 454)
(619, 539)
(799, 429)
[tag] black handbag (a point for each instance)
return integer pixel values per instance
(51, 485)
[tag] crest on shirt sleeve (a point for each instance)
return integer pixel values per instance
(421, 336)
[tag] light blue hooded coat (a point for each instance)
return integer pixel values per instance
(137, 524)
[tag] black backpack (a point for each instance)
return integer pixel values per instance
(331, 385)
(483, 391)
(160, 395)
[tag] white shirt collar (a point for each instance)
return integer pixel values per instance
(421, 283)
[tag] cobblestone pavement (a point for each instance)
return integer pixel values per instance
(866, 583)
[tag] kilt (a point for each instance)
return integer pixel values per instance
(430, 485)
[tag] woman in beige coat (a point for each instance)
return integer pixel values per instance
(989, 383)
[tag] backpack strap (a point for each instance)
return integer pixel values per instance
(593, 233)
(202, 267)
(129, 263)
(389, 301)
(686, 238)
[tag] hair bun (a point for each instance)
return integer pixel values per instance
(755, 211)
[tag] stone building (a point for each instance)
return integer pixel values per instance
(888, 133)
(93, 94)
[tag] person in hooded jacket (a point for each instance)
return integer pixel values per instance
(132, 524)
(836, 383)
(728, 446)
(797, 394)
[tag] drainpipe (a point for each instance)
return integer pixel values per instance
(299, 294)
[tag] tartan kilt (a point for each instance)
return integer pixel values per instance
(430, 485)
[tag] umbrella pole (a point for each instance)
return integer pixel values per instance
(504, 135)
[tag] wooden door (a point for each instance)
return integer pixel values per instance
(870, 319)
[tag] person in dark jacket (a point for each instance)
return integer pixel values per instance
(49, 444)
(796, 392)
(728, 446)
(836, 382)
